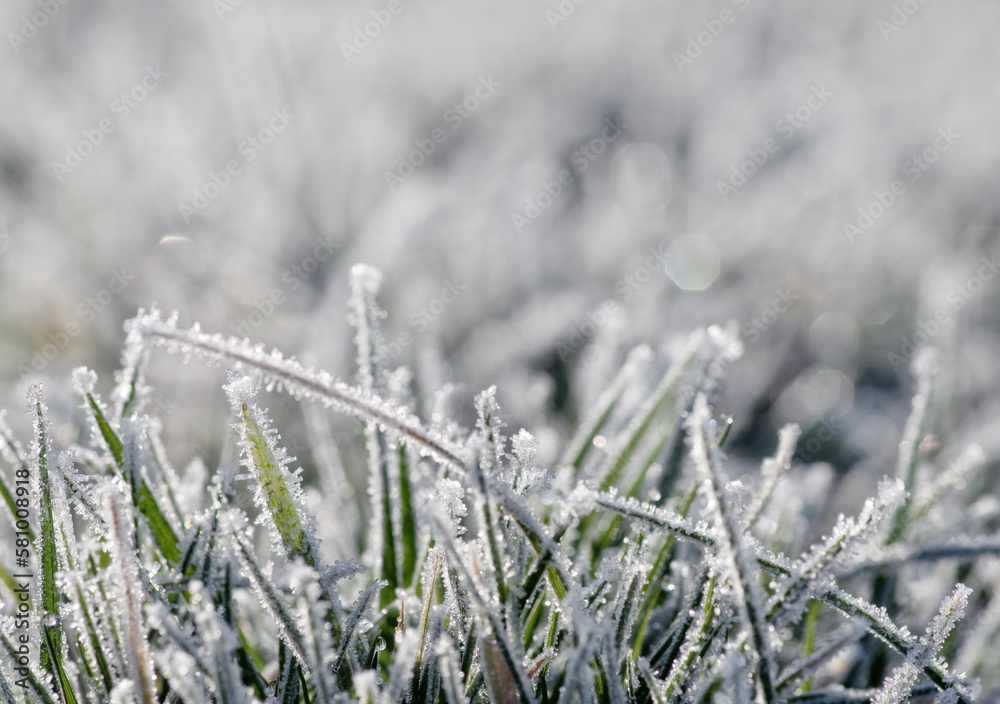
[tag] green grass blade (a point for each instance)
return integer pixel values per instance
(738, 556)
(11, 449)
(546, 549)
(428, 582)
(270, 599)
(45, 546)
(661, 566)
(279, 498)
(107, 432)
(131, 391)
(278, 491)
(96, 647)
(681, 668)
(652, 685)
(10, 502)
(8, 579)
(33, 680)
(630, 608)
(390, 571)
(809, 645)
(248, 661)
(578, 446)
(408, 523)
(130, 603)
(163, 533)
(909, 448)
(63, 686)
(666, 390)
(358, 610)
(250, 664)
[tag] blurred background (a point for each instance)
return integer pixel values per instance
(543, 185)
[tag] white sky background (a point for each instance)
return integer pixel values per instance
(215, 75)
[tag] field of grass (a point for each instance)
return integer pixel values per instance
(634, 570)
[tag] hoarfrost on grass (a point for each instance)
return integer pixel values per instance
(484, 575)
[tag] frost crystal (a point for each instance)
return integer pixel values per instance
(848, 534)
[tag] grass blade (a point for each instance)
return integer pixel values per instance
(48, 598)
(666, 390)
(164, 535)
(732, 549)
(278, 492)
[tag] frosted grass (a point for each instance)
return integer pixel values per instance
(634, 571)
